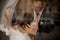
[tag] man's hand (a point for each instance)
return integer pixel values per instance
(31, 30)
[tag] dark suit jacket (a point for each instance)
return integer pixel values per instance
(48, 25)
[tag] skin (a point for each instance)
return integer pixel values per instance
(37, 6)
(31, 29)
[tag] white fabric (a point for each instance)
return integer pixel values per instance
(2, 27)
(10, 4)
(17, 35)
(14, 34)
(40, 14)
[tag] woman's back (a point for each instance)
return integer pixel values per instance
(17, 35)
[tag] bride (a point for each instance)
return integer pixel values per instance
(23, 25)
(21, 29)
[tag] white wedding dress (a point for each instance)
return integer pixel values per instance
(15, 34)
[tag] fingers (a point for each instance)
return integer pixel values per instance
(30, 30)
(29, 26)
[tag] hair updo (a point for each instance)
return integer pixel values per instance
(23, 13)
(22, 18)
